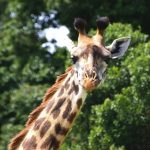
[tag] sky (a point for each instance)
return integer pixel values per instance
(60, 34)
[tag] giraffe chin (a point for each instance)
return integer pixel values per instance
(90, 84)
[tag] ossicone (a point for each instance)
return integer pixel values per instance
(102, 23)
(79, 24)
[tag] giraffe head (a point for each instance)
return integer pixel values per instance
(90, 54)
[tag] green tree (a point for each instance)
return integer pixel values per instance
(26, 69)
(135, 11)
(115, 116)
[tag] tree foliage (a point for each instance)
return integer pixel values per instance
(135, 11)
(116, 115)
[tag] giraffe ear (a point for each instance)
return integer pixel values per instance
(119, 47)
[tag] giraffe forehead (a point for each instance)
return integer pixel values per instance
(87, 50)
(91, 52)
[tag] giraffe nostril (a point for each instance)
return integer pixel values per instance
(91, 74)
(86, 75)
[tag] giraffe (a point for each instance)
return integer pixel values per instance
(48, 125)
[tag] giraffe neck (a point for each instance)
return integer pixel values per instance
(52, 125)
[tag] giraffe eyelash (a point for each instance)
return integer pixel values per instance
(74, 59)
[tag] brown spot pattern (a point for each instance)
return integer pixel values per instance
(60, 130)
(79, 103)
(16, 141)
(67, 110)
(56, 113)
(30, 143)
(71, 117)
(67, 80)
(50, 104)
(44, 128)
(76, 88)
(71, 91)
(61, 92)
(50, 142)
(56, 109)
(67, 86)
(59, 104)
(38, 123)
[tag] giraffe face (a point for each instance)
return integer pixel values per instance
(89, 65)
(90, 55)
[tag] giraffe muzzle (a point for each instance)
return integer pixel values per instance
(91, 80)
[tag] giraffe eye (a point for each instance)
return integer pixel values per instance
(107, 60)
(74, 59)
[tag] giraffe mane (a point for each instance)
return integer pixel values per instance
(35, 113)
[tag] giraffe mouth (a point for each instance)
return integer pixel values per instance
(90, 83)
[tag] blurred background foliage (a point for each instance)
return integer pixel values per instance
(116, 116)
